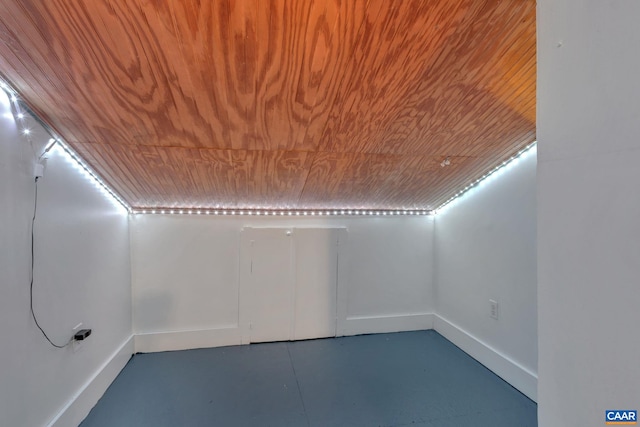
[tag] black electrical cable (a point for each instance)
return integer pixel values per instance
(33, 314)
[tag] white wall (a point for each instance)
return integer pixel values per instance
(82, 275)
(588, 210)
(486, 250)
(186, 275)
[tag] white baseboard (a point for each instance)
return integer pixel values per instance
(357, 325)
(151, 342)
(79, 406)
(508, 369)
(184, 340)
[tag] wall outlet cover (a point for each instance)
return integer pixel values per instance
(493, 307)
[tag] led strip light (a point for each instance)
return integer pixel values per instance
(72, 154)
(282, 212)
(20, 117)
(487, 175)
(253, 211)
(341, 212)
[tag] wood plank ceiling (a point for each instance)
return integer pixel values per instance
(280, 103)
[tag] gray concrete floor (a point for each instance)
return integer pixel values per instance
(407, 378)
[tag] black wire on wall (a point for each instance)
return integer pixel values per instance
(33, 314)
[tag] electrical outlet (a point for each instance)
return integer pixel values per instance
(76, 345)
(493, 308)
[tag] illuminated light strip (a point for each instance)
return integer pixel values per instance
(199, 211)
(357, 212)
(350, 212)
(281, 212)
(72, 155)
(20, 116)
(487, 175)
(13, 95)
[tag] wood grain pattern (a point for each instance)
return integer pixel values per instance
(279, 103)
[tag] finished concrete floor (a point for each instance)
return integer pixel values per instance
(400, 379)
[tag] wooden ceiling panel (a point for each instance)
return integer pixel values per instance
(414, 172)
(454, 94)
(393, 50)
(271, 179)
(167, 177)
(353, 179)
(292, 71)
(279, 103)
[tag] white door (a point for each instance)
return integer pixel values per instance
(271, 285)
(288, 284)
(316, 275)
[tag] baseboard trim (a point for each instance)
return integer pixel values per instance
(85, 399)
(152, 342)
(506, 368)
(357, 325)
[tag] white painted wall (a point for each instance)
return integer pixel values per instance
(186, 274)
(588, 210)
(82, 275)
(486, 250)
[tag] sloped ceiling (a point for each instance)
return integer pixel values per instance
(279, 104)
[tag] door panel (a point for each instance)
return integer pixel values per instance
(288, 284)
(316, 266)
(271, 286)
